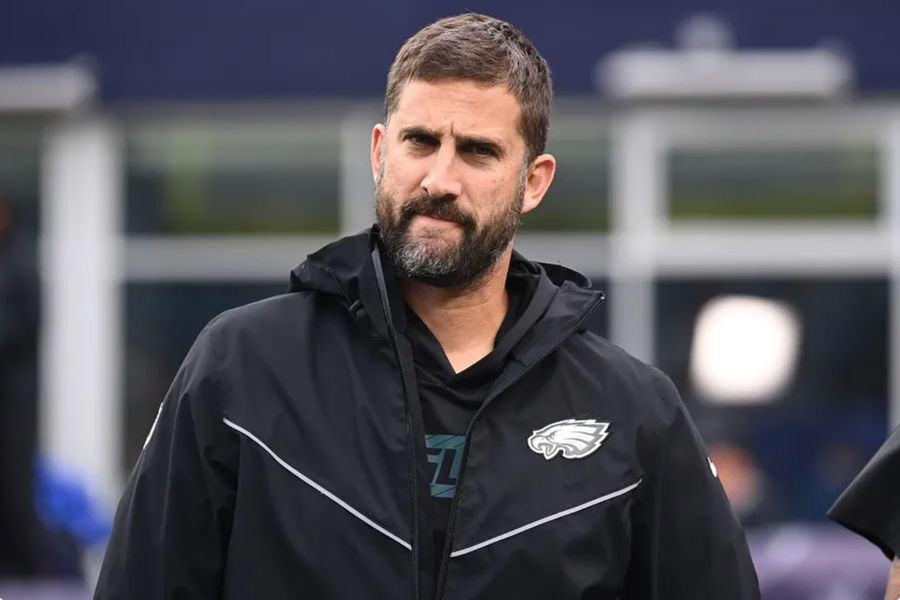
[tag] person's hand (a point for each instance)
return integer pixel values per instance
(893, 585)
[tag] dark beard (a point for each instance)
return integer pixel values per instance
(459, 266)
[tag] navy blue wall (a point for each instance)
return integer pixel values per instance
(217, 49)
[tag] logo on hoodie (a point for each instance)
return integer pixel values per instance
(445, 456)
(575, 438)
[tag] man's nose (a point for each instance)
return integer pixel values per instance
(442, 178)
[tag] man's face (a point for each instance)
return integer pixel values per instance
(450, 180)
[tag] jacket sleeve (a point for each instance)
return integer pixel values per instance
(172, 524)
(869, 504)
(687, 543)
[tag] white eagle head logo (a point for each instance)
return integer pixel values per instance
(575, 438)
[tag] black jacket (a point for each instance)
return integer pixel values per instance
(869, 505)
(288, 461)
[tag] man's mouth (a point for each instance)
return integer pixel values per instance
(436, 219)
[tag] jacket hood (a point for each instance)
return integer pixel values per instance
(344, 269)
(337, 268)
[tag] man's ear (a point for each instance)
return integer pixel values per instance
(378, 137)
(538, 180)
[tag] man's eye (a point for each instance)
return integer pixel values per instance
(482, 150)
(420, 139)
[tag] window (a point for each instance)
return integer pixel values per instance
(773, 182)
(20, 170)
(233, 175)
(578, 198)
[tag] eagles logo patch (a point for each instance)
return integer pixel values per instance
(575, 438)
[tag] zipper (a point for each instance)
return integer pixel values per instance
(451, 525)
(421, 587)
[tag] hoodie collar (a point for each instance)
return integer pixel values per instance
(344, 269)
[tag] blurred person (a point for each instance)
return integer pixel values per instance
(21, 534)
(870, 507)
(425, 414)
(745, 484)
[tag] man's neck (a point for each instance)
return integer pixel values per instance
(465, 322)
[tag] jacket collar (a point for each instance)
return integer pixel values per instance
(344, 269)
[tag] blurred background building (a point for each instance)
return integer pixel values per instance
(729, 173)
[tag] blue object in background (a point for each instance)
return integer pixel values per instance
(65, 507)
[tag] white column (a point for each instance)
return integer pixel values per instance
(81, 364)
(637, 197)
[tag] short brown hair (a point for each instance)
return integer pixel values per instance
(483, 49)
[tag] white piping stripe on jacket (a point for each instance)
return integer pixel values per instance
(318, 487)
(552, 517)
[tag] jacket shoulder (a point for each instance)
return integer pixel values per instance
(264, 316)
(265, 332)
(648, 384)
(262, 346)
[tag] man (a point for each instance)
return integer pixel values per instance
(424, 415)
(869, 507)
